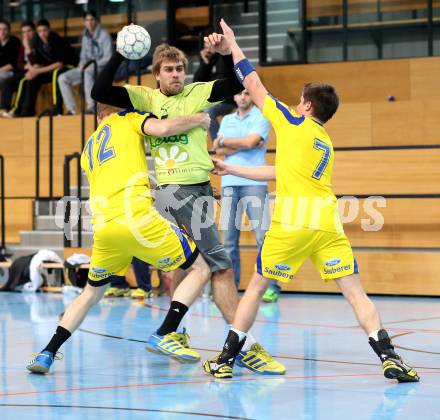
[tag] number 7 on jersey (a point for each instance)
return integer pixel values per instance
(320, 145)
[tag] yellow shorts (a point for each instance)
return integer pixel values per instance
(147, 236)
(284, 251)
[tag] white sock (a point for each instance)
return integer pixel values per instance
(240, 334)
(374, 335)
(250, 341)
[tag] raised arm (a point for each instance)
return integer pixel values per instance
(103, 89)
(251, 80)
(177, 125)
(229, 85)
(257, 173)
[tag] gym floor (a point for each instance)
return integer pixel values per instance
(332, 373)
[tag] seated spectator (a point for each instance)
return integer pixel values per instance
(212, 67)
(53, 53)
(96, 45)
(9, 48)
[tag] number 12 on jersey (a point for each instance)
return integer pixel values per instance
(105, 152)
(320, 145)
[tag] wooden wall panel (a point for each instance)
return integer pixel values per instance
(355, 81)
(351, 125)
(411, 223)
(405, 122)
(425, 74)
(394, 273)
(318, 8)
(18, 216)
(387, 172)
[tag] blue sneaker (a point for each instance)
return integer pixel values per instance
(42, 362)
(171, 346)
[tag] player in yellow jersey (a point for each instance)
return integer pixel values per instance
(126, 225)
(305, 220)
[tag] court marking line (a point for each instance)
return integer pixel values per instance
(310, 359)
(150, 410)
(300, 324)
(412, 349)
(199, 382)
(413, 320)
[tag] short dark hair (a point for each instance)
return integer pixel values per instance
(28, 23)
(324, 99)
(90, 12)
(5, 22)
(43, 22)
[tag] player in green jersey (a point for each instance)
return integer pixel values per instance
(182, 166)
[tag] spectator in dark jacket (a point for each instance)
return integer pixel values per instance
(212, 67)
(26, 58)
(52, 54)
(9, 48)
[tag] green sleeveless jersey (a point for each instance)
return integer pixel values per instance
(183, 158)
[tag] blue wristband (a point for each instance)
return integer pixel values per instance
(242, 69)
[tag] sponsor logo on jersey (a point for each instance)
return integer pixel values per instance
(159, 141)
(100, 273)
(278, 273)
(283, 267)
(165, 263)
(334, 270)
(332, 262)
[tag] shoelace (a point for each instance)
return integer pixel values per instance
(183, 338)
(176, 336)
(260, 349)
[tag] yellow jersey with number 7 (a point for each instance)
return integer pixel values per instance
(304, 168)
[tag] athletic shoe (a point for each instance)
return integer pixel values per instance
(43, 361)
(219, 370)
(392, 364)
(259, 360)
(395, 368)
(169, 344)
(141, 294)
(270, 296)
(117, 292)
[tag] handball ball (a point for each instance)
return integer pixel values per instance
(133, 42)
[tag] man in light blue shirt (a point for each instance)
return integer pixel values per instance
(242, 138)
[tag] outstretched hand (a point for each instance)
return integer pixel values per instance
(217, 43)
(220, 167)
(228, 33)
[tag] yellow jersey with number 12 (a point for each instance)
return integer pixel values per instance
(115, 164)
(304, 168)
